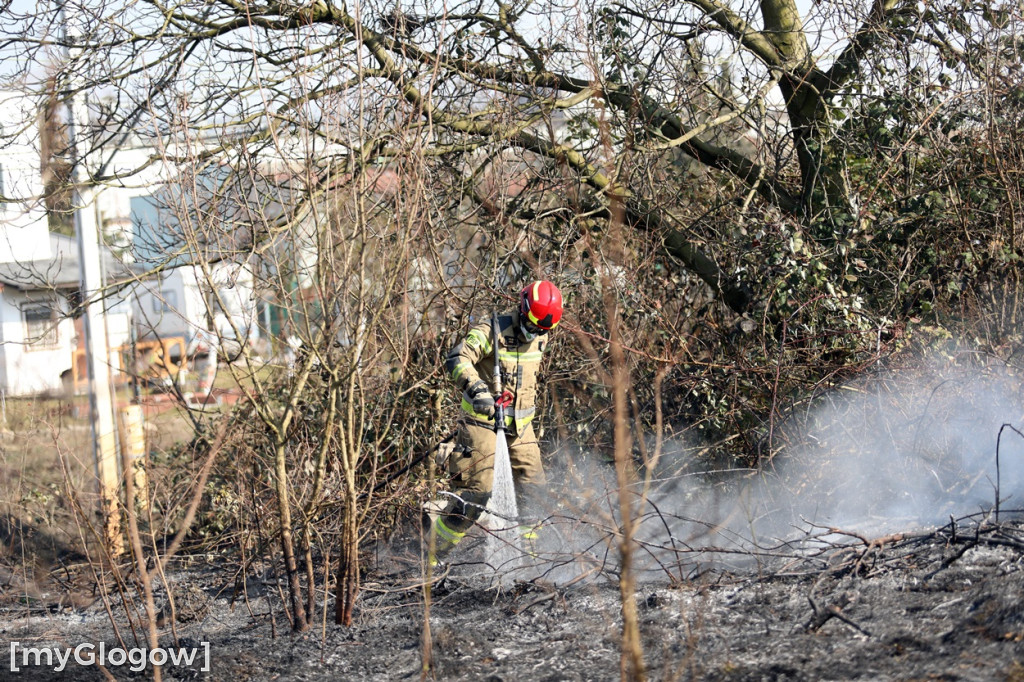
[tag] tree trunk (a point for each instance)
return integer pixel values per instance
(307, 552)
(824, 191)
(348, 563)
(299, 621)
(631, 661)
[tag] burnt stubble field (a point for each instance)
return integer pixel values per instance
(887, 545)
(936, 604)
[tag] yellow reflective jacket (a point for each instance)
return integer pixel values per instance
(473, 358)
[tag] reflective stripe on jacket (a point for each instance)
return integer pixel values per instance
(473, 358)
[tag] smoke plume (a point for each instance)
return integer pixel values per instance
(893, 452)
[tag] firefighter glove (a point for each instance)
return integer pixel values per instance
(481, 398)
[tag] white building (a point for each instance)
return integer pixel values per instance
(36, 337)
(182, 297)
(22, 214)
(181, 302)
(40, 274)
(40, 345)
(39, 271)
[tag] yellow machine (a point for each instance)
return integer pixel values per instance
(155, 361)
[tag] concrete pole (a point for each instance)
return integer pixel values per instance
(101, 403)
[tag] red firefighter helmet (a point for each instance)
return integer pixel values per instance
(540, 304)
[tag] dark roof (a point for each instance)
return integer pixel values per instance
(62, 270)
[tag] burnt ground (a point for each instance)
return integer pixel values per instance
(936, 604)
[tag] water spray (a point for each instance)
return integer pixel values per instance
(502, 550)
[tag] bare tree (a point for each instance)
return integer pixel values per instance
(376, 166)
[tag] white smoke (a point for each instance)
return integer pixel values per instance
(894, 452)
(901, 450)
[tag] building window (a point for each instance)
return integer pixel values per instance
(40, 326)
(166, 302)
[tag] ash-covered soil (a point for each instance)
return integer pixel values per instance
(945, 604)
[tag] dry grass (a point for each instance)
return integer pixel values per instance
(48, 490)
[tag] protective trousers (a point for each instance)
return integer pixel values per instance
(472, 468)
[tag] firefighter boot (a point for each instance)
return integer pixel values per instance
(443, 539)
(449, 526)
(529, 534)
(532, 499)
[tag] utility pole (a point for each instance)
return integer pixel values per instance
(97, 350)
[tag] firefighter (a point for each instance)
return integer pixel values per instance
(470, 365)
